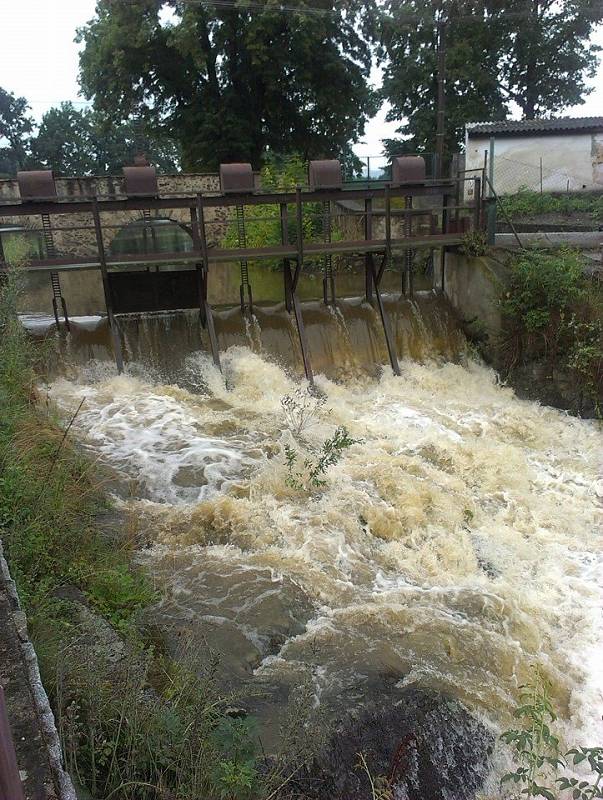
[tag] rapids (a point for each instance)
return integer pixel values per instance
(457, 543)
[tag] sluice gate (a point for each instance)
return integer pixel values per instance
(386, 220)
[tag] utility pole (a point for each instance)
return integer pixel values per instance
(441, 105)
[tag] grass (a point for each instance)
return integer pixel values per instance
(526, 203)
(134, 724)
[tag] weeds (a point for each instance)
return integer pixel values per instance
(314, 467)
(536, 752)
(306, 464)
(301, 410)
(474, 244)
(527, 203)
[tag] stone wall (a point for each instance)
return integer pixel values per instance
(82, 242)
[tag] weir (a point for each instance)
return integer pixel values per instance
(456, 543)
(164, 280)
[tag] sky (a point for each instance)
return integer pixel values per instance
(39, 61)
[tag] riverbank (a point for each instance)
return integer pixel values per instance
(132, 723)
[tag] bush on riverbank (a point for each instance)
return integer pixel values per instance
(134, 724)
(554, 314)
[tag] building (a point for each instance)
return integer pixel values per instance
(549, 155)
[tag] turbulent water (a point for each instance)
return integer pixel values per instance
(454, 545)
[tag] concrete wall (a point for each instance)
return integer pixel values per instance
(83, 242)
(571, 160)
(473, 286)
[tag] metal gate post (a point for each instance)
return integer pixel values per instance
(376, 277)
(292, 281)
(368, 236)
(113, 327)
(204, 272)
(408, 287)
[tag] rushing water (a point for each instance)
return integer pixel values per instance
(457, 543)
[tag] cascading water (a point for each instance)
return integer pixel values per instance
(453, 546)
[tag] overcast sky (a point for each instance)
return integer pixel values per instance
(39, 61)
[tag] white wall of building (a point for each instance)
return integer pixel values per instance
(571, 161)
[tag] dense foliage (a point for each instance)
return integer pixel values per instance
(537, 755)
(535, 53)
(74, 142)
(555, 313)
(229, 83)
(15, 128)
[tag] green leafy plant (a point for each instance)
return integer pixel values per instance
(553, 313)
(474, 244)
(536, 752)
(534, 746)
(526, 203)
(581, 789)
(236, 773)
(315, 466)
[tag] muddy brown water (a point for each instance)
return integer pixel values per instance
(456, 544)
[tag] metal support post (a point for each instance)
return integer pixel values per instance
(100, 246)
(203, 279)
(368, 236)
(291, 281)
(376, 278)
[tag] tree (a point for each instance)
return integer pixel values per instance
(15, 125)
(532, 52)
(231, 82)
(63, 142)
(81, 142)
(549, 54)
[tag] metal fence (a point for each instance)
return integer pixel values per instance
(537, 172)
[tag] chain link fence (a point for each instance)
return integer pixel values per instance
(536, 173)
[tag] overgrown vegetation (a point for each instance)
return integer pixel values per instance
(555, 314)
(307, 464)
(536, 751)
(526, 203)
(474, 244)
(134, 724)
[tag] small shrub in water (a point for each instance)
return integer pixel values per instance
(314, 468)
(536, 750)
(301, 410)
